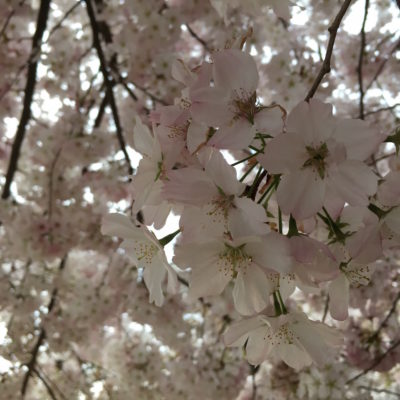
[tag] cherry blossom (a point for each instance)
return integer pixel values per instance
(145, 250)
(320, 157)
(292, 338)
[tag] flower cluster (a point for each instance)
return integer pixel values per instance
(268, 200)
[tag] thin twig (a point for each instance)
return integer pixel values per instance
(197, 37)
(382, 64)
(8, 19)
(389, 108)
(326, 65)
(100, 113)
(107, 81)
(360, 62)
(383, 323)
(326, 308)
(29, 91)
(42, 336)
(375, 363)
(379, 390)
(65, 16)
(45, 383)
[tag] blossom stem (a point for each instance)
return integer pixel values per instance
(271, 187)
(168, 238)
(277, 306)
(326, 65)
(280, 225)
(282, 304)
(247, 158)
(247, 173)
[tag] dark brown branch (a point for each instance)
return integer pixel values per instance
(107, 81)
(256, 184)
(42, 336)
(45, 383)
(384, 322)
(29, 91)
(383, 63)
(375, 363)
(360, 62)
(376, 390)
(390, 108)
(31, 363)
(65, 16)
(8, 18)
(326, 65)
(198, 38)
(100, 114)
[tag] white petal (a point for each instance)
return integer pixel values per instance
(301, 194)
(190, 186)
(238, 331)
(120, 225)
(269, 121)
(250, 293)
(313, 342)
(366, 244)
(209, 106)
(196, 136)
(389, 190)
(354, 182)
(339, 298)
(284, 153)
(143, 138)
(272, 253)
(153, 276)
(313, 121)
(235, 70)
(222, 174)
(235, 136)
(258, 346)
(360, 139)
(208, 281)
(393, 220)
(293, 356)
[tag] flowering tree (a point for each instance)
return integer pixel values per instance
(200, 199)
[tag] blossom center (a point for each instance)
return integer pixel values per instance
(232, 259)
(145, 252)
(245, 107)
(317, 158)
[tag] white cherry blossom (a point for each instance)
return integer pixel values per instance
(145, 250)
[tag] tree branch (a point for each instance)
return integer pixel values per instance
(375, 363)
(360, 62)
(65, 16)
(42, 336)
(107, 81)
(45, 383)
(385, 320)
(383, 63)
(198, 38)
(326, 65)
(29, 91)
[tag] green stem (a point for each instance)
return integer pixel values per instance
(166, 239)
(280, 225)
(277, 306)
(247, 173)
(284, 310)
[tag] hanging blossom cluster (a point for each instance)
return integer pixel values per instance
(176, 223)
(270, 202)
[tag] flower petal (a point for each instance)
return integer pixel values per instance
(249, 293)
(284, 153)
(235, 70)
(339, 298)
(301, 194)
